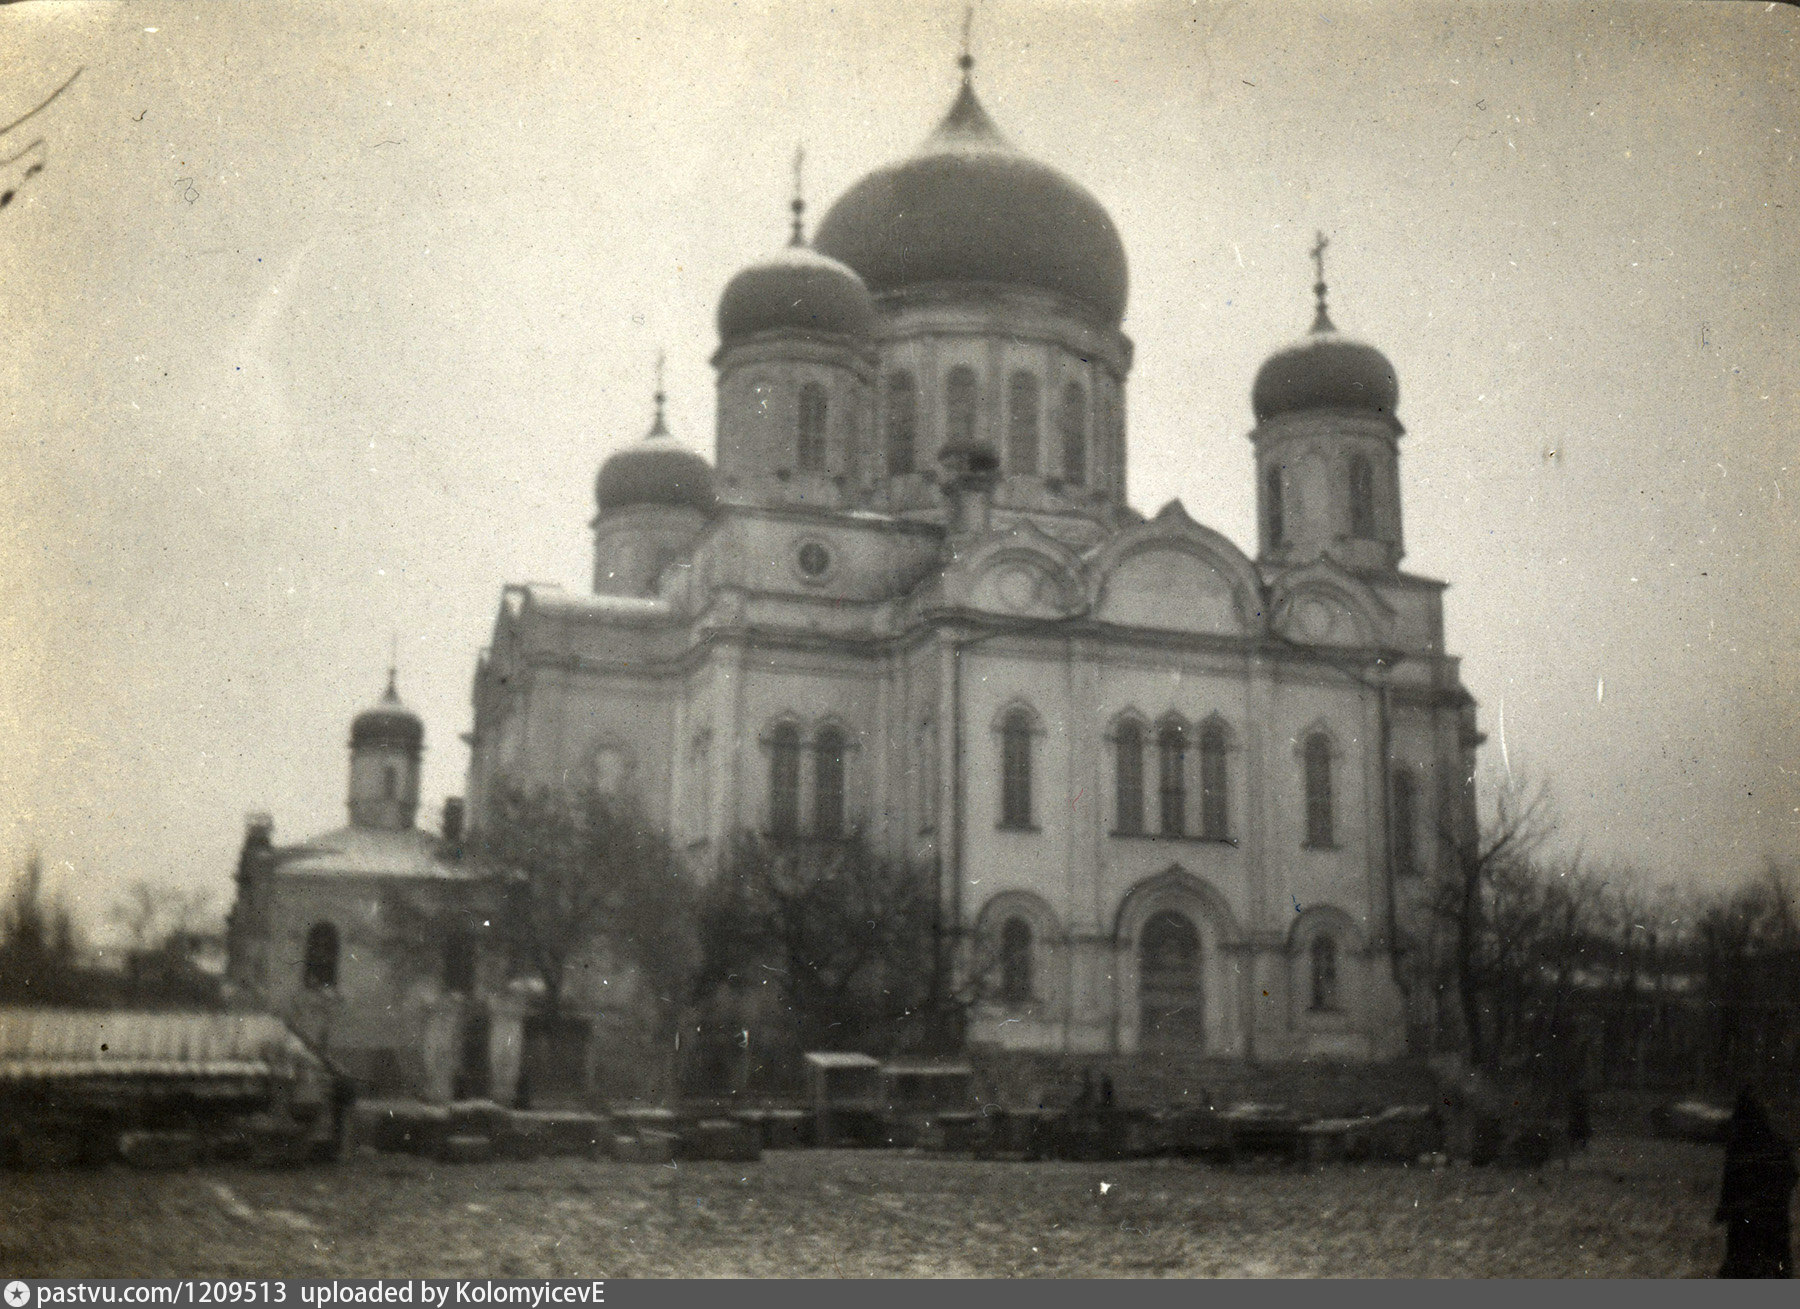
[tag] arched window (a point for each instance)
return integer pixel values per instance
(959, 406)
(1171, 756)
(1015, 961)
(1277, 525)
(1015, 770)
(1130, 778)
(459, 961)
(810, 451)
(320, 969)
(1022, 425)
(902, 424)
(1318, 790)
(1071, 420)
(1215, 807)
(1324, 973)
(1362, 498)
(828, 783)
(1406, 819)
(784, 781)
(390, 782)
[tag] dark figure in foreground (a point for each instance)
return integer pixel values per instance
(1106, 1091)
(1754, 1197)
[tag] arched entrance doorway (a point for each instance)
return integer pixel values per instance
(1171, 1008)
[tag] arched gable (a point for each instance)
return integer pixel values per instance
(1174, 574)
(1321, 604)
(1176, 888)
(1021, 572)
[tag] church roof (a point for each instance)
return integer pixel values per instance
(658, 470)
(1325, 371)
(968, 206)
(795, 290)
(388, 723)
(369, 852)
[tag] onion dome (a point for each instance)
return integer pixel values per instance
(1325, 371)
(389, 723)
(658, 470)
(797, 290)
(969, 207)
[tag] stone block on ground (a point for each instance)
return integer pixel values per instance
(720, 1139)
(534, 1133)
(787, 1129)
(41, 1149)
(400, 1126)
(476, 1118)
(159, 1150)
(1404, 1132)
(954, 1131)
(464, 1149)
(648, 1146)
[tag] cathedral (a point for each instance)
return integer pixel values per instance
(1175, 798)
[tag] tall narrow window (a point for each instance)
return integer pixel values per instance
(1215, 807)
(1171, 753)
(1015, 770)
(959, 406)
(1277, 524)
(319, 969)
(810, 451)
(902, 424)
(1071, 420)
(1015, 961)
(784, 781)
(1406, 818)
(1130, 778)
(1022, 425)
(1324, 973)
(1362, 498)
(828, 783)
(1318, 789)
(390, 782)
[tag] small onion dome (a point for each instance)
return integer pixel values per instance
(389, 723)
(797, 290)
(969, 207)
(658, 470)
(1325, 371)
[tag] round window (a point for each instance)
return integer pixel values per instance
(814, 559)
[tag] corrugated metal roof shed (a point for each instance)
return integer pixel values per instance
(40, 1044)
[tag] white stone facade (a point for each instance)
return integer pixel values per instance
(911, 604)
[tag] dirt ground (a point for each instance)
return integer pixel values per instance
(1628, 1208)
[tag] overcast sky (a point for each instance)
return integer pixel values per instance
(319, 319)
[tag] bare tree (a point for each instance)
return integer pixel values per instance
(846, 938)
(39, 955)
(576, 872)
(1487, 906)
(154, 916)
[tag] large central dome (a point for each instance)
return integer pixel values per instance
(968, 207)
